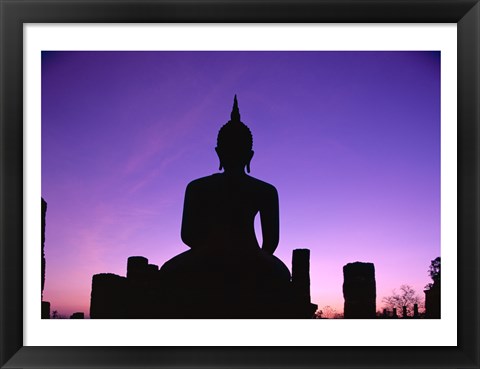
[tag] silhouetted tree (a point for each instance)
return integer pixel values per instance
(56, 315)
(434, 272)
(327, 312)
(407, 296)
(432, 291)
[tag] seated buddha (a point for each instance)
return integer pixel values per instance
(226, 273)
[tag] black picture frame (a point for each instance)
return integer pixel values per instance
(15, 13)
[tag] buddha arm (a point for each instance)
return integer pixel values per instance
(269, 219)
(190, 225)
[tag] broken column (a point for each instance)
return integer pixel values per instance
(152, 274)
(78, 315)
(359, 290)
(137, 268)
(140, 280)
(108, 297)
(301, 274)
(432, 301)
(45, 310)
(415, 310)
(394, 313)
(301, 283)
(45, 314)
(44, 213)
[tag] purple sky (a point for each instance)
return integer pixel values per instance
(351, 140)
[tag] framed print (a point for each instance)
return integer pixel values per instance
(360, 122)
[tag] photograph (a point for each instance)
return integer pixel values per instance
(224, 184)
(240, 184)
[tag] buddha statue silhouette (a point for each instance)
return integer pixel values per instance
(226, 274)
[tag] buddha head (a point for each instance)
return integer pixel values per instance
(234, 143)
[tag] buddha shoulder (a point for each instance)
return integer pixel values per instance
(261, 187)
(202, 183)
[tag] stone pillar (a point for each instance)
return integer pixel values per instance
(301, 275)
(152, 273)
(108, 297)
(45, 310)
(301, 284)
(415, 310)
(404, 312)
(137, 268)
(359, 291)
(394, 313)
(140, 281)
(78, 315)
(384, 313)
(44, 213)
(432, 302)
(45, 314)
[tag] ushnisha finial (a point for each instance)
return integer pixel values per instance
(235, 115)
(234, 138)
